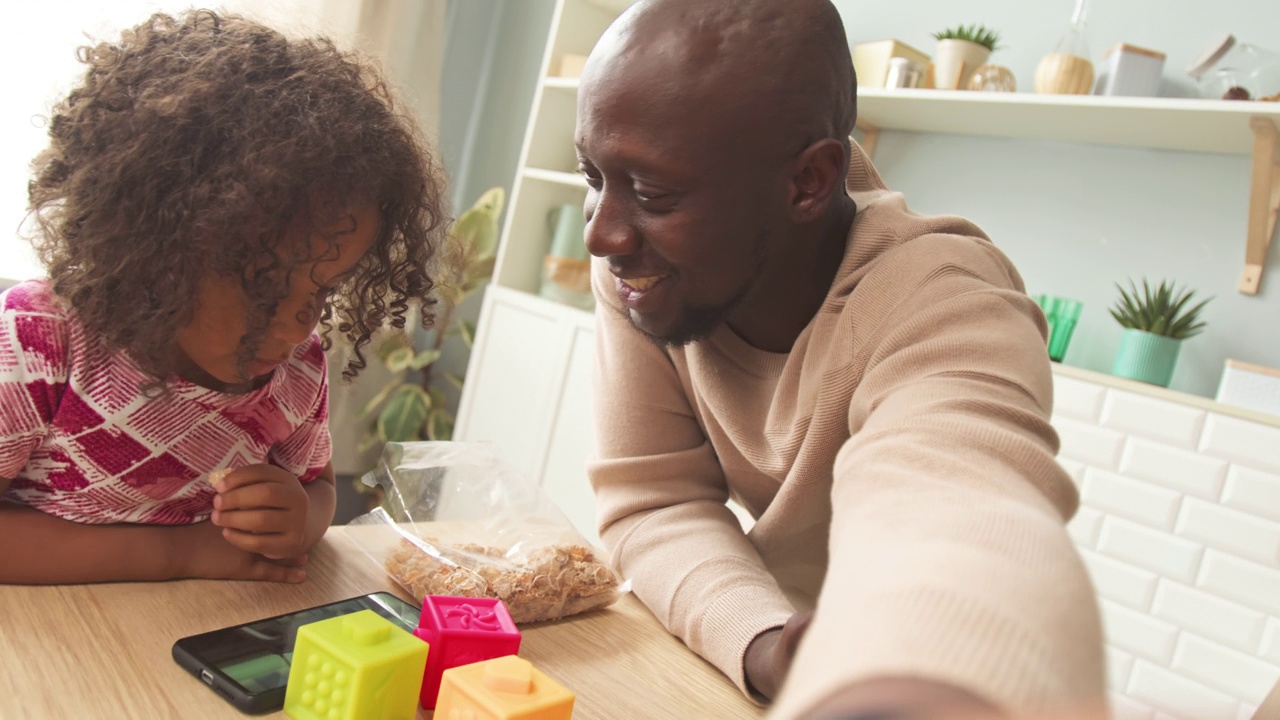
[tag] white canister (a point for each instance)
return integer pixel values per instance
(1131, 70)
(903, 74)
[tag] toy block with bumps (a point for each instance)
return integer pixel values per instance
(505, 688)
(462, 631)
(358, 666)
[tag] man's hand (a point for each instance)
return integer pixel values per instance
(769, 656)
(263, 509)
(203, 552)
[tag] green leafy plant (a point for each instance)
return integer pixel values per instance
(1164, 310)
(975, 33)
(411, 406)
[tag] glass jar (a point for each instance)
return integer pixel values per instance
(1234, 70)
(1068, 70)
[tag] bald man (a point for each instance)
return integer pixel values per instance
(872, 385)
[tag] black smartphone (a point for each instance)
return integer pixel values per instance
(248, 664)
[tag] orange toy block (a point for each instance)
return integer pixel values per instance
(504, 688)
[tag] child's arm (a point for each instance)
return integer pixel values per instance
(39, 549)
(264, 509)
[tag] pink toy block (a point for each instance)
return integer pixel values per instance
(462, 631)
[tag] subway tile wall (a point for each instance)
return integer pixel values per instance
(1179, 527)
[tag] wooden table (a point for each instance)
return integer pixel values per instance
(102, 651)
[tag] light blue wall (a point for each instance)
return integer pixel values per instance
(493, 54)
(1075, 218)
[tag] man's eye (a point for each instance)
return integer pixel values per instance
(593, 180)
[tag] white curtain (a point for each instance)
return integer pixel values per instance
(407, 36)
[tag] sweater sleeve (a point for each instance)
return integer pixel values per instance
(661, 495)
(949, 557)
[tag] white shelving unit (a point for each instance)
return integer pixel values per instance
(528, 381)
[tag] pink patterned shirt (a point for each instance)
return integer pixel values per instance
(80, 441)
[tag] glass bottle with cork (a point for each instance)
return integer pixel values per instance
(1068, 70)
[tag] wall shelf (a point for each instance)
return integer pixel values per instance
(560, 83)
(1180, 124)
(1218, 126)
(555, 176)
(1264, 202)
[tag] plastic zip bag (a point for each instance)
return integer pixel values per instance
(458, 520)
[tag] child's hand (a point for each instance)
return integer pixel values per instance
(204, 553)
(262, 509)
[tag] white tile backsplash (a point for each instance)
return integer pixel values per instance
(1230, 671)
(1140, 416)
(1254, 585)
(1254, 491)
(1085, 527)
(1270, 650)
(1089, 444)
(1182, 470)
(1120, 581)
(1137, 500)
(1077, 399)
(1209, 615)
(1159, 552)
(1179, 527)
(1125, 708)
(1119, 666)
(1138, 633)
(1181, 697)
(1242, 442)
(1231, 530)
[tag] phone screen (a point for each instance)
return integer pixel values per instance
(256, 656)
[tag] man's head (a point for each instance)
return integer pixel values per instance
(714, 138)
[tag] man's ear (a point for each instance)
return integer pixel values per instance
(818, 173)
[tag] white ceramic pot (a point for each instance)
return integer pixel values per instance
(955, 61)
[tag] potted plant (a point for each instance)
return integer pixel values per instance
(961, 51)
(412, 405)
(1156, 321)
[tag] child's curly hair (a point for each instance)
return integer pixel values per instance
(191, 146)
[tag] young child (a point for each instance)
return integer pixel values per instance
(212, 192)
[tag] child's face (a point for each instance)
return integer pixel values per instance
(211, 342)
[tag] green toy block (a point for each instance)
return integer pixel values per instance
(355, 667)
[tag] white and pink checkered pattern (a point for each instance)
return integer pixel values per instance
(80, 441)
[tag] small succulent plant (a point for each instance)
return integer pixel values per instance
(975, 33)
(1164, 310)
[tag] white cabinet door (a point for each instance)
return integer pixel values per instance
(528, 392)
(513, 378)
(572, 443)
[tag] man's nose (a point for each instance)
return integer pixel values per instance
(610, 230)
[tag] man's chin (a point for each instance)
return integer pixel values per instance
(672, 335)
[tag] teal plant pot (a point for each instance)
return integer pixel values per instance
(1146, 357)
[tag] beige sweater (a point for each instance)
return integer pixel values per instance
(901, 450)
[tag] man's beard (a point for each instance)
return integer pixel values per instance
(697, 323)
